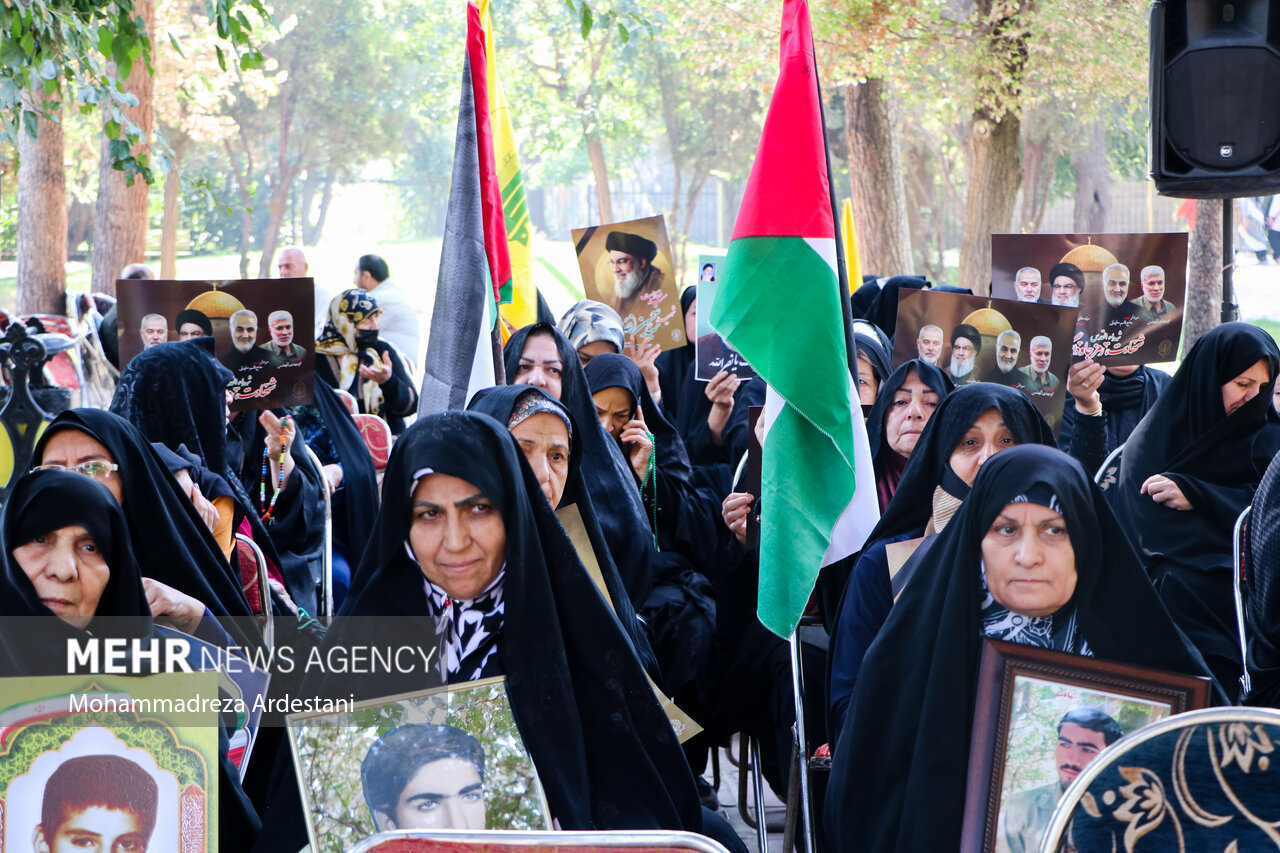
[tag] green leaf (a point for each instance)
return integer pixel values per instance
(111, 129)
(623, 32)
(173, 40)
(106, 40)
(118, 151)
(29, 121)
(222, 58)
(48, 70)
(587, 21)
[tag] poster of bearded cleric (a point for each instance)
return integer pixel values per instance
(262, 330)
(980, 339)
(628, 266)
(1130, 288)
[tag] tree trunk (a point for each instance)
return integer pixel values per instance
(1204, 282)
(172, 203)
(994, 174)
(120, 222)
(595, 150)
(923, 211)
(311, 231)
(279, 202)
(246, 198)
(285, 171)
(1093, 182)
(1038, 160)
(42, 221)
(875, 171)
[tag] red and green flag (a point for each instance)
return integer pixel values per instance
(779, 305)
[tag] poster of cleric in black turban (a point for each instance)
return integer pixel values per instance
(1130, 289)
(263, 331)
(628, 266)
(1024, 346)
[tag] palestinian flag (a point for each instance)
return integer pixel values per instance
(462, 353)
(779, 306)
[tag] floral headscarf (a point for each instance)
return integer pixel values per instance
(338, 339)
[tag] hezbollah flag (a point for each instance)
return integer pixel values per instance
(779, 306)
(461, 357)
(519, 300)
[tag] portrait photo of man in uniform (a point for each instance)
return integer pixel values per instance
(425, 777)
(282, 348)
(1082, 734)
(1038, 377)
(1151, 304)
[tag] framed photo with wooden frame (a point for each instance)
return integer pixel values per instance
(1039, 717)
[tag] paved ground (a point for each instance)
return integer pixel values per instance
(775, 810)
(1257, 288)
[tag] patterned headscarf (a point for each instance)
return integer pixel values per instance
(338, 339)
(534, 403)
(589, 321)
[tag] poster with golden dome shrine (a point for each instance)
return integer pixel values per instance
(1129, 289)
(263, 331)
(1020, 345)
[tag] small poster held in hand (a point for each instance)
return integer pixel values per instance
(628, 266)
(713, 352)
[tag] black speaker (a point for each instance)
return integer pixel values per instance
(1215, 97)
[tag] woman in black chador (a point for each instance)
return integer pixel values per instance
(1189, 470)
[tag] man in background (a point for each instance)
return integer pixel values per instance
(398, 323)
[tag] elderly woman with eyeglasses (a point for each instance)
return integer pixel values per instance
(190, 585)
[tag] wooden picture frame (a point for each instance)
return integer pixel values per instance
(1022, 694)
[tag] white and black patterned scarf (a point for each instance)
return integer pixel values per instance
(467, 630)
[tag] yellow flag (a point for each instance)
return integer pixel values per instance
(522, 307)
(852, 262)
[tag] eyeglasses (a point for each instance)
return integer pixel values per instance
(98, 469)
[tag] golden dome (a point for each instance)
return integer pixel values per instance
(988, 321)
(1089, 258)
(216, 304)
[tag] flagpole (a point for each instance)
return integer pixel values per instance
(846, 307)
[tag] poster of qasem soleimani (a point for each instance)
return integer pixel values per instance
(628, 266)
(1130, 288)
(979, 339)
(262, 330)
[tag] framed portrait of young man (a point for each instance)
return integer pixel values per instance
(1040, 718)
